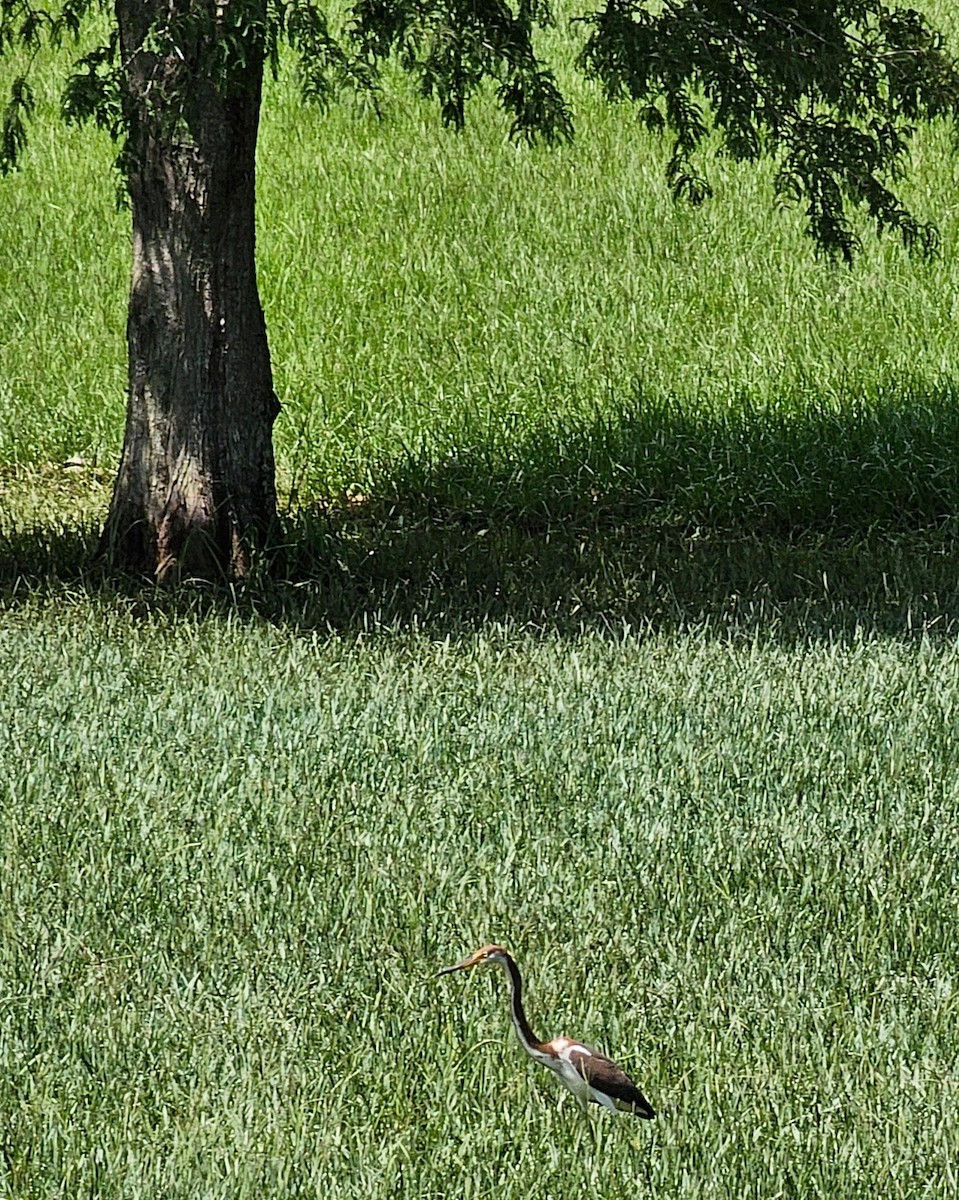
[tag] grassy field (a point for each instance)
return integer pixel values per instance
(619, 624)
(233, 856)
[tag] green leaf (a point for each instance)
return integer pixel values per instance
(13, 133)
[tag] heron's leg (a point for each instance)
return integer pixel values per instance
(589, 1124)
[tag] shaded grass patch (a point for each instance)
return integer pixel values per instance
(794, 464)
(672, 514)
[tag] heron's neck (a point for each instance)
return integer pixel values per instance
(531, 1042)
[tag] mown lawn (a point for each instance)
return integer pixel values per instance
(233, 855)
(616, 620)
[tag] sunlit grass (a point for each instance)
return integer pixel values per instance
(732, 864)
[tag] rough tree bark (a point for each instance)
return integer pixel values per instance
(196, 476)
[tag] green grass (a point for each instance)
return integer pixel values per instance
(731, 863)
(617, 620)
(429, 294)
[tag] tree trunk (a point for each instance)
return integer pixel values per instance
(196, 478)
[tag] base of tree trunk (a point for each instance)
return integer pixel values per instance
(202, 512)
(194, 537)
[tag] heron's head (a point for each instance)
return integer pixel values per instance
(481, 957)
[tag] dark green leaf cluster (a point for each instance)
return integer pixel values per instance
(325, 64)
(13, 133)
(94, 92)
(22, 24)
(828, 160)
(830, 89)
(452, 46)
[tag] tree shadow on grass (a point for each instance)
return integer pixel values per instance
(798, 520)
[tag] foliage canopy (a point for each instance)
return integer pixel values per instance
(831, 90)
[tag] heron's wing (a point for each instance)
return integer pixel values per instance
(605, 1076)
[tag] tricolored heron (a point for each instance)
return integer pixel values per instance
(590, 1076)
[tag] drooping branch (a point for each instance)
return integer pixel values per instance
(452, 46)
(830, 91)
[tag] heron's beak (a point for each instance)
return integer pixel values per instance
(460, 966)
